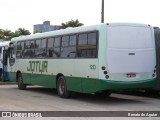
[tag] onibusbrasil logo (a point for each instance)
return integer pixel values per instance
(21, 114)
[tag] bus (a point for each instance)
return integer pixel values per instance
(4, 75)
(95, 59)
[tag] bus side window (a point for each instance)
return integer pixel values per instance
(68, 48)
(92, 38)
(40, 51)
(11, 50)
(53, 47)
(20, 49)
(29, 51)
(32, 44)
(50, 47)
(87, 45)
(82, 39)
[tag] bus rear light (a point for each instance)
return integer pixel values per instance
(103, 67)
(105, 72)
(153, 75)
(154, 71)
(87, 76)
(107, 76)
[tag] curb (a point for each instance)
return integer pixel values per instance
(8, 83)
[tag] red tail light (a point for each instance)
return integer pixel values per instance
(103, 67)
(107, 76)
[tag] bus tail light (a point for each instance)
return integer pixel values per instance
(103, 67)
(105, 72)
(107, 76)
(154, 71)
(153, 75)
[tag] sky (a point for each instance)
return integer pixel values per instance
(26, 13)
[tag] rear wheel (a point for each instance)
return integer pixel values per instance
(21, 85)
(62, 88)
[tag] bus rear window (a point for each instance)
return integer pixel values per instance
(129, 37)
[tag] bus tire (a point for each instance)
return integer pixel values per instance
(103, 94)
(21, 85)
(62, 88)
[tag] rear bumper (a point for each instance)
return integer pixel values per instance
(106, 84)
(90, 85)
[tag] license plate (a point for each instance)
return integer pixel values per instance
(131, 75)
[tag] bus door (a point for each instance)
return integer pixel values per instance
(157, 44)
(5, 64)
(11, 64)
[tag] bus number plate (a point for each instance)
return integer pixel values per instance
(131, 75)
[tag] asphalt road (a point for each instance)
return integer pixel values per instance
(37, 98)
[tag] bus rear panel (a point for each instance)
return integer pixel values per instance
(130, 57)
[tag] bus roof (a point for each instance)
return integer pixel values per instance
(4, 43)
(71, 31)
(57, 33)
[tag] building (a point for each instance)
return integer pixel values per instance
(45, 27)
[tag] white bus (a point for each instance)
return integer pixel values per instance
(88, 59)
(4, 45)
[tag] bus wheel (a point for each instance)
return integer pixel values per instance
(21, 85)
(62, 88)
(103, 94)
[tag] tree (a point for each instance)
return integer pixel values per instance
(6, 34)
(38, 31)
(71, 23)
(21, 31)
(1, 34)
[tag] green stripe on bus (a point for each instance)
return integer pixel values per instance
(83, 85)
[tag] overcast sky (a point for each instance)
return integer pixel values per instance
(26, 13)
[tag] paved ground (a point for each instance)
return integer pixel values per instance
(42, 99)
(6, 83)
